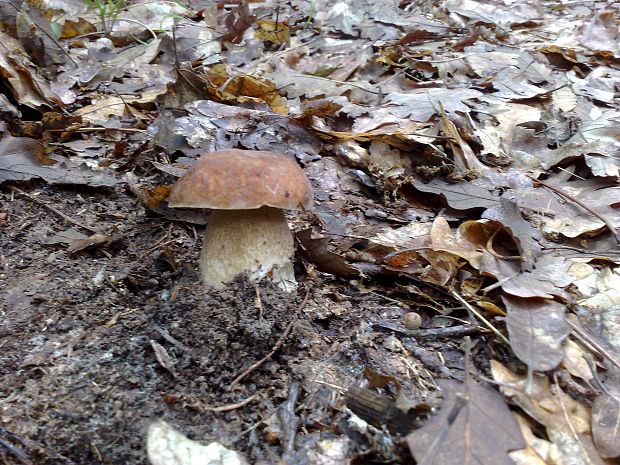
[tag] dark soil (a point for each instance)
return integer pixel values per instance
(96, 344)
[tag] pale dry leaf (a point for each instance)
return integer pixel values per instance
(604, 291)
(564, 98)
(403, 237)
(537, 450)
(561, 215)
(154, 15)
(345, 16)
(444, 239)
(423, 104)
(600, 31)
(605, 164)
(575, 360)
(167, 446)
(567, 421)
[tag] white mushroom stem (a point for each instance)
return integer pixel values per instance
(257, 242)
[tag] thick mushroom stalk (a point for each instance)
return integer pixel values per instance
(247, 231)
(257, 242)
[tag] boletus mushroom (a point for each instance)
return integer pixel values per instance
(247, 231)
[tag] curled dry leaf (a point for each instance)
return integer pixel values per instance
(21, 76)
(242, 88)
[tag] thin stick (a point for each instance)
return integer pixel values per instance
(275, 347)
(434, 333)
(98, 129)
(229, 407)
(58, 212)
(582, 334)
(607, 223)
(480, 317)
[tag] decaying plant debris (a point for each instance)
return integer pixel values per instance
(457, 296)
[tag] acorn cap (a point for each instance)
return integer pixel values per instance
(241, 180)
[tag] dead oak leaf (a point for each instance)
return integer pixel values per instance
(423, 104)
(509, 215)
(567, 420)
(606, 418)
(560, 214)
(474, 426)
(537, 329)
(243, 88)
(462, 195)
(23, 159)
(20, 75)
(548, 277)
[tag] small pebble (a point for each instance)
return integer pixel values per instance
(412, 321)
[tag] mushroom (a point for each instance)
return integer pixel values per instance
(247, 231)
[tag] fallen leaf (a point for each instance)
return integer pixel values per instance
(423, 104)
(606, 417)
(536, 329)
(22, 159)
(567, 421)
(473, 426)
(167, 446)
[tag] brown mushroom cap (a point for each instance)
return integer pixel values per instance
(241, 180)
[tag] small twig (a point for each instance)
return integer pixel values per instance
(98, 129)
(480, 317)
(434, 333)
(582, 334)
(198, 405)
(607, 223)
(275, 347)
(288, 419)
(54, 210)
(229, 407)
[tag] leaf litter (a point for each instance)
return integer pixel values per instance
(464, 157)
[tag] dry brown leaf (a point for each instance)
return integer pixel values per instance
(548, 278)
(270, 31)
(567, 421)
(508, 214)
(21, 76)
(23, 159)
(473, 426)
(462, 195)
(76, 28)
(537, 329)
(243, 88)
(462, 243)
(606, 418)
